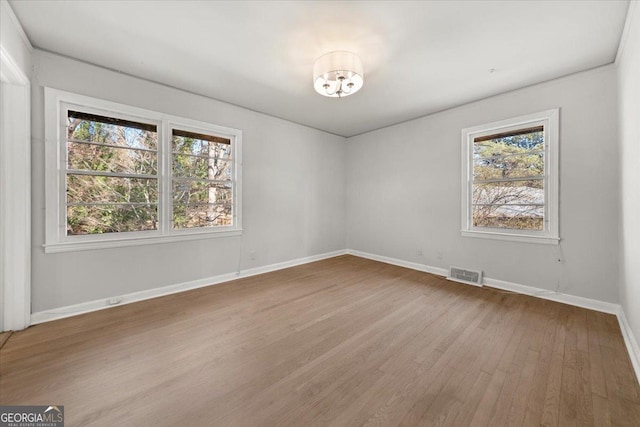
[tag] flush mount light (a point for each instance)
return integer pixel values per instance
(338, 74)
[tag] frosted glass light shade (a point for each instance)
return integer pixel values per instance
(338, 74)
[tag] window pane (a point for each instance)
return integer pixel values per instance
(504, 144)
(201, 167)
(103, 204)
(511, 166)
(110, 219)
(515, 155)
(126, 134)
(201, 147)
(102, 158)
(513, 192)
(197, 160)
(195, 192)
(520, 217)
(204, 215)
(105, 189)
(515, 204)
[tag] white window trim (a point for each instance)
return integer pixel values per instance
(56, 239)
(550, 234)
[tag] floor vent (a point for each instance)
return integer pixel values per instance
(470, 277)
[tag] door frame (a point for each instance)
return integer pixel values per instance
(15, 195)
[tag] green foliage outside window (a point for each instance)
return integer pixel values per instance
(202, 176)
(112, 177)
(508, 174)
(97, 203)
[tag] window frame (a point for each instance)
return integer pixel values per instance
(549, 119)
(196, 128)
(57, 104)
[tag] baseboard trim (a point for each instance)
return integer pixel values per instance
(73, 310)
(591, 304)
(630, 341)
(606, 307)
(101, 304)
(400, 263)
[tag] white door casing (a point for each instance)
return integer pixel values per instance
(15, 196)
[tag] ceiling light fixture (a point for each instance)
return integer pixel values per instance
(337, 74)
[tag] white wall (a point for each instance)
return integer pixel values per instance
(629, 134)
(403, 190)
(293, 194)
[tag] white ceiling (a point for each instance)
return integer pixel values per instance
(419, 57)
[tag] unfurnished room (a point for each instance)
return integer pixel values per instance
(319, 213)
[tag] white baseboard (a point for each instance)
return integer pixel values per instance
(400, 263)
(630, 340)
(591, 304)
(101, 304)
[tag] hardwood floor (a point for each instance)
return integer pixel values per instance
(345, 342)
(4, 336)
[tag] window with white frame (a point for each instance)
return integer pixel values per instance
(202, 180)
(111, 174)
(510, 179)
(119, 175)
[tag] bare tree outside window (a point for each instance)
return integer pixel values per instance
(508, 180)
(202, 180)
(111, 176)
(119, 175)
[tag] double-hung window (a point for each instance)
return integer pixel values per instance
(201, 180)
(510, 179)
(118, 175)
(110, 174)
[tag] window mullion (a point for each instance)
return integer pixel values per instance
(515, 179)
(111, 204)
(211, 181)
(201, 156)
(63, 161)
(102, 144)
(165, 178)
(109, 174)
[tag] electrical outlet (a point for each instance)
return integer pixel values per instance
(252, 255)
(439, 255)
(114, 300)
(419, 252)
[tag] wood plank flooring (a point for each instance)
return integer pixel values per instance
(343, 342)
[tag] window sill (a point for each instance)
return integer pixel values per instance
(523, 238)
(86, 245)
